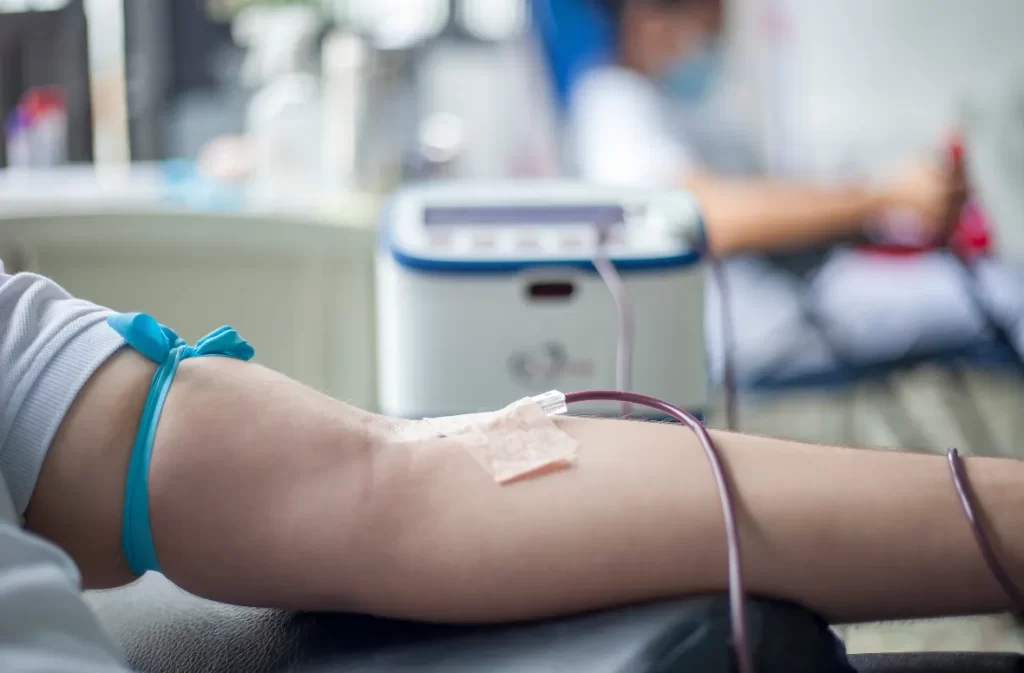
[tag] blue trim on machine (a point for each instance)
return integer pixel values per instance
(516, 265)
(454, 266)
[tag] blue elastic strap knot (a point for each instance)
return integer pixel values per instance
(161, 345)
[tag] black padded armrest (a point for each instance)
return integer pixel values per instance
(938, 662)
(164, 630)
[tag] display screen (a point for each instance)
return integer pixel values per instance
(593, 215)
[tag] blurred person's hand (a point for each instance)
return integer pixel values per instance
(934, 191)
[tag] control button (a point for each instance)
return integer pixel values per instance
(440, 239)
(528, 243)
(484, 242)
(571, 242)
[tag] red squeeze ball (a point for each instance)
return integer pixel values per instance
(956, 151)
(972, 236)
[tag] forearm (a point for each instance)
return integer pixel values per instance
(855, 534)
(323, 519)
(763, 215)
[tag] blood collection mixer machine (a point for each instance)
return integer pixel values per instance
(487, 293)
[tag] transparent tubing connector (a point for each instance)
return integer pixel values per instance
(552, 402)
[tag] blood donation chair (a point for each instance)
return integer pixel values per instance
(574, 36)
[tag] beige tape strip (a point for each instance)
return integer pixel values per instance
(514, 443)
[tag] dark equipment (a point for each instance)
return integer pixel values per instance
(49, 48)
(164, 630)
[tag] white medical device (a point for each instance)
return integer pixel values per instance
(486, 293)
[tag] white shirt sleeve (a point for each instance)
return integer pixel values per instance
(50, 344)
(45, 626)
(620, 134)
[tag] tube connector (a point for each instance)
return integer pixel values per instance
(552, 402)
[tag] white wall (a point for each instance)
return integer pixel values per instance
(851, 84)
(501, 94)
(300, 291)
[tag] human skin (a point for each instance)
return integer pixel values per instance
(265, 492)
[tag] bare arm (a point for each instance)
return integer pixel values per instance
(264, 492)
(763, 214)
(759, 214)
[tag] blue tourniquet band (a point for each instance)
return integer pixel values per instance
(161, 345)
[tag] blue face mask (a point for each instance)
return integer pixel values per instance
(692, 78)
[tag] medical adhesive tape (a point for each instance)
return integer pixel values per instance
(514, 443)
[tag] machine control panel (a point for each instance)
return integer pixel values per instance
(524, 222)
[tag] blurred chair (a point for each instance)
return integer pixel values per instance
(575, 36)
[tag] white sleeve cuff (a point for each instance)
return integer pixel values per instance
(40, 415)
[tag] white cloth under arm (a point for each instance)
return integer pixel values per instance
(50, 344)
(621, 133)
(45, 626)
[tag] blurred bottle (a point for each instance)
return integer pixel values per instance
(345, 67)
(36, 131)
(440, 140)
(17, 133)
(48, 112)
(283, 118)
